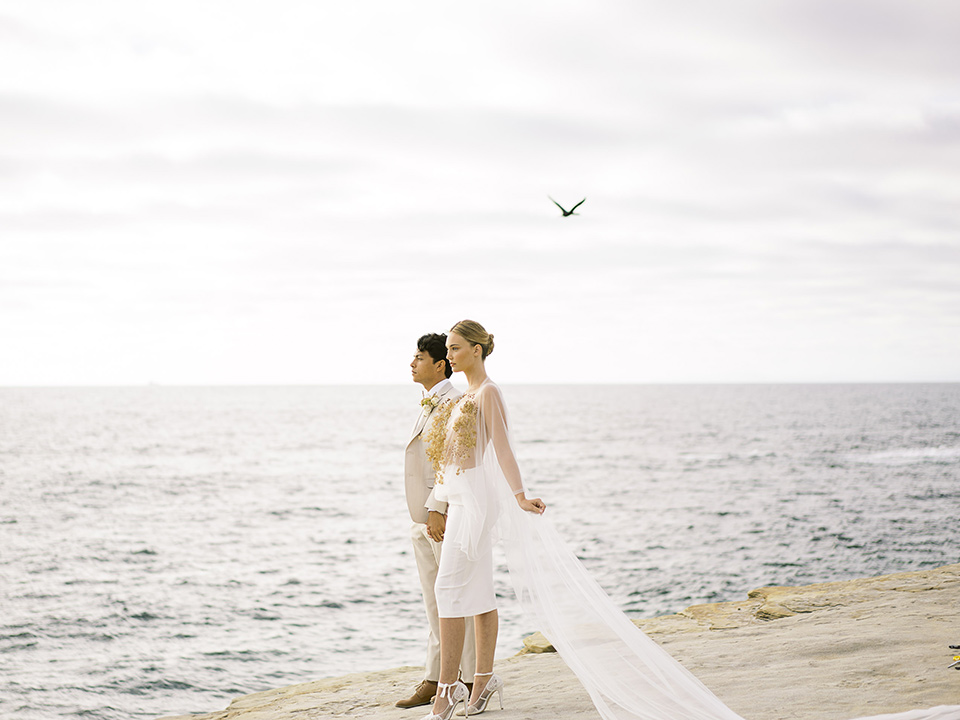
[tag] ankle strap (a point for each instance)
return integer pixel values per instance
(443, 689)
(483, 674)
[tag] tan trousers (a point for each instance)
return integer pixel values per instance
(427, 554)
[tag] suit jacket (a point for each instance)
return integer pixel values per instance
(417, 469)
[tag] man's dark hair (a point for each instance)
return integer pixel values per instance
(436, 347)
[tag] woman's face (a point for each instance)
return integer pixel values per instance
(461, 354)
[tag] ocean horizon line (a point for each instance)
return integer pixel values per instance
(508, 383)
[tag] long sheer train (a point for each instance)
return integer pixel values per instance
(628, 676)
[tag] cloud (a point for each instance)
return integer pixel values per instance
(770, 188)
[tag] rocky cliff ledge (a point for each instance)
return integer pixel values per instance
(829, 651)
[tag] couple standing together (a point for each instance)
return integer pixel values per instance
(455, 515)
(465, 493)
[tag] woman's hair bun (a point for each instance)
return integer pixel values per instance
(474, 333)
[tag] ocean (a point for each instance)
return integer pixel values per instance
(165, 549)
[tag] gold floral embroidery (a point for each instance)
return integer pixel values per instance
(446, 443)
(435, 436)
(465, 431)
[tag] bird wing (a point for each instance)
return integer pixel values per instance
(578, 205)
(558, 204)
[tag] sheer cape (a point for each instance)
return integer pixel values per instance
(476, 466)
(627, 675)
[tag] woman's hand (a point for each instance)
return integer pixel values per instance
(536, 505)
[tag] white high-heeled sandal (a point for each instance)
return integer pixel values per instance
(454, 693)
(494, 684)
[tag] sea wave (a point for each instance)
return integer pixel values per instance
(265, 541)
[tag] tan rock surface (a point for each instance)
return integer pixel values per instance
(831, 651)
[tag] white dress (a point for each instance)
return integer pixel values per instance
(464, 584)
(628, 676)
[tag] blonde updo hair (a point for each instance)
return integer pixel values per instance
(473, 333)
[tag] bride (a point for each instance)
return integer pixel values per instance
(627, 675)
(471, 453)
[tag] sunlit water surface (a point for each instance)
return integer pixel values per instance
(163, 550)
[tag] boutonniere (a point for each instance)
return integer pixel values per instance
(430, 402)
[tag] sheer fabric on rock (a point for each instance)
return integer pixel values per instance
(627, 675)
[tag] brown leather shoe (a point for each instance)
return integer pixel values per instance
(423, 695)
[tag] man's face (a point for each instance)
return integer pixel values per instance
(426, 371)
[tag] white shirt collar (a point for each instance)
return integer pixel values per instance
(438, 389)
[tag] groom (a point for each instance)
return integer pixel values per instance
(430, 369)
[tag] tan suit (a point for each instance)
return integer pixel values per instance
(419, 479)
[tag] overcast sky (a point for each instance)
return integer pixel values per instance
(228, 192)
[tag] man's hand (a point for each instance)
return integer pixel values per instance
(436, 524)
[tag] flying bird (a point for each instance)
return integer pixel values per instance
(567, 213)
